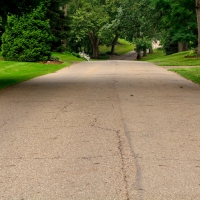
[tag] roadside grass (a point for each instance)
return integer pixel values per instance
(67, 57)
(192, 74)
(12, 72)
(121, 48)
(177, 59)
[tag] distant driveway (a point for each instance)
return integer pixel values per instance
(128, 56)
(110, 130)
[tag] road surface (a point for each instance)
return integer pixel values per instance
(109, 130)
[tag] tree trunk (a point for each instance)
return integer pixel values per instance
(198, 24)
(64, 9)
(138, 55)
(95, 45)
(150, 50)
(144, 52)
(182, 46)
(95, 53)
(114, 43)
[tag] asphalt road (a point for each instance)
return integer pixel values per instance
(110, 130)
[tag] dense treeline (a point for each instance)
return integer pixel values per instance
(83, 25)
(33, 34)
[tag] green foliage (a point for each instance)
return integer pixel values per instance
(67, 56)
(1, 30)
(109, 30)
(28, 38)
(142, 44)
(58, 23)
(170, 46)
(87, 19)
(54, 58)
(17, 7)
(76, 54)
(176, 21)
(192, 53)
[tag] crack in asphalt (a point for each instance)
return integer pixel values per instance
(138, 179)
(6, 122)
(120, 147)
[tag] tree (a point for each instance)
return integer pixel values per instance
(198, 24)
(87, 20)
(28, 38)
(16, 7)
(113, 29)
(110, 32)
(177, 20)
(58, 22)
(1, 29)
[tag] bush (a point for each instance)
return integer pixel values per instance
(53, 58)
(76, 54)
(27, 38)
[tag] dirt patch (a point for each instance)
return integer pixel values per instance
(53, 62)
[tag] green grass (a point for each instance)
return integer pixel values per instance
(177, 59)
(67, 57)
(15, 72)
(121, 48)
(192, 74)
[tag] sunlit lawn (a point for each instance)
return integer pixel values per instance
(15, 72)
(177, 59)
(122, 47)
(192, 74)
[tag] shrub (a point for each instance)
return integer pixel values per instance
(53, 58)
(76, 54)
(27, 38)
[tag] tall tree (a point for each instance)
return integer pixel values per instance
(177, 20)
(198, 24)
(28, 38)
(58, 22)
(1, 29)
(87, 20)
(16, 7)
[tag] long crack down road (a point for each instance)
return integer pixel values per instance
(110, 130)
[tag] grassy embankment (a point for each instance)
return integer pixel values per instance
(121, 48)
(177, 59)
(15, 72)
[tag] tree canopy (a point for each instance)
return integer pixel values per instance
(88, 23)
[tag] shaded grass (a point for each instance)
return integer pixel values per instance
(177, 59)
(121, 48)
(12, 72)
(192, 74)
